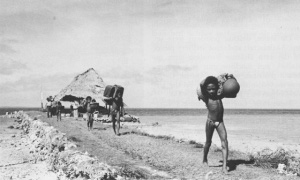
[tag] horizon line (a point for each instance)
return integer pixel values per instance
(170, 108)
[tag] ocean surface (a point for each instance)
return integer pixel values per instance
(197, 112)
(248, 129)
(179, 112)
(3, 110)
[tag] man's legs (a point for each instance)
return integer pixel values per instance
(91, 121)
(209, 130)
(118, 123)
(52, 111)
(88, 120)
(223, 136)
(113, 120)
(57, 115)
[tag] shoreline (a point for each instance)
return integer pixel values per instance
(147, 157)
(244, 139)
(236, 143)
(240, 141)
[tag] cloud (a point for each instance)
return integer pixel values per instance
(26, 91)
(6, 49)
(123, 75)
(169, 69)
(53, 83)
(34, 20)
(153, 75)
(159, 73)
(9, 66)
(25, 22)
(6, 45)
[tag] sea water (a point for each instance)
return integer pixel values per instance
(5, 110)
(196, 112)
(247, 129)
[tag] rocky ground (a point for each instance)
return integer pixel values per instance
(134, 155)
(16, 160)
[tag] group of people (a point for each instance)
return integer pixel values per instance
(53, 107)
(116, 112)
(210, 97)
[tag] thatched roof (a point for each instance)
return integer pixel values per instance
(86, 84)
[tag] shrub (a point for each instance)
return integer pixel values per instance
(270, 159)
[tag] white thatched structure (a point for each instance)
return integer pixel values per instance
(86, 84)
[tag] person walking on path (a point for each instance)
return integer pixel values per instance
(214, 121)
(49, 106)
(117, 111)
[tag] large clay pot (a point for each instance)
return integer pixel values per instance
(230, 88)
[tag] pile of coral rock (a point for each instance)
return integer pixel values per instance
(52, 146)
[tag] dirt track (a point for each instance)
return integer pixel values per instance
(153, 158)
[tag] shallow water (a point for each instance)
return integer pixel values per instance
(248, 132)
(247, 129)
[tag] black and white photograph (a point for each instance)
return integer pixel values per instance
(149, 89)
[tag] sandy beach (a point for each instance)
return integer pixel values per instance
(246, 133)
(163, 65)
(134, 155)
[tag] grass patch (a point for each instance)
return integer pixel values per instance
(74, 139)
(133, 173)
(133, 155)
(192, 142)
(270, 159)
(199, 145)
(196, 145)
(164, 137)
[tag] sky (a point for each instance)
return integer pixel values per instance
(159, 50)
